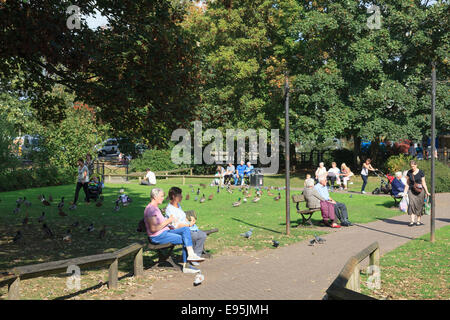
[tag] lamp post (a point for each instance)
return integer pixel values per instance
(286, 151)
(433, 147)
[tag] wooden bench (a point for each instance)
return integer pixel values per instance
(166, 257)
(299, 198)
(397, 199)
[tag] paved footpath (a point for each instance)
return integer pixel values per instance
(293, 272)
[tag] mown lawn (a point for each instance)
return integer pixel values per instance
(418, 270)
(266, 217)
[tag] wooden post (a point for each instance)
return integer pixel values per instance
(375, 258)
(113, 274)
(138, 264)
(353, 282)
(184, 181)
(191, 171)
(109, 178)
(13, 290)
(167, 173)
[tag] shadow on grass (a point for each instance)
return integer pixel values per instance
(255, 226)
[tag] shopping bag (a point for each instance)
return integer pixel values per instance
(404, 204)
(427, 206)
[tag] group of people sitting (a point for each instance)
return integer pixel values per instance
(175, 229)
(238, 174)
(333, 175)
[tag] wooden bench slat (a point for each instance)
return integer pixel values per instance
(127, 250)
(298, 198)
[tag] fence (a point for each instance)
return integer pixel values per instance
(347, 284)
(13, 276)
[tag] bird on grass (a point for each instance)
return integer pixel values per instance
(269, 193)
(62, 213)
(237, 203)
(45, 202)
(117, 205)
(203, 185)
(25, 220)
(210, 197)
(102, 233)
(275, 243)
(17, 237)
(202, 199)
(48, 232)
(68, 236)
(218, 189)
(247, 234)
(26, 202)
(187, 196)
(196, 198)
(256, 199)
(198, 191)
(61, 203)
(91, 228)
(75, 224)
(19, 201)
(278, 197)
(42, 217)
(73, 206)
(99, 203)
(245, 200)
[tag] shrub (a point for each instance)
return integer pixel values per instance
(398, 163)
(156, 160)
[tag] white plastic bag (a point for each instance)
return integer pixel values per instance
(404, 203)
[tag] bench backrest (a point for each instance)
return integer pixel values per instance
(298, 198)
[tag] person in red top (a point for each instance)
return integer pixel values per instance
(158, 230)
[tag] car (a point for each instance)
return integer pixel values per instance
(108, 147)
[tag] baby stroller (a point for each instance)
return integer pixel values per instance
(94, 189)
(385, 183)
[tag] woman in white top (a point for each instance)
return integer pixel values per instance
(365, 173)
(333, 175)
(346, 173)
(321, 172)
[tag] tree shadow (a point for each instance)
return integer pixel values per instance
(256, 226)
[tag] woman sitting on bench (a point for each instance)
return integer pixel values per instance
(159, 233)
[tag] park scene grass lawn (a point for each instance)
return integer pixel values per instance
(417, 270)
(266, 217)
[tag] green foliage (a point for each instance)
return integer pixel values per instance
(155, 160)
(7, 148)
(398, 163)
(35, 178)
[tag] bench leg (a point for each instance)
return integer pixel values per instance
(307, 220)
(166, 258)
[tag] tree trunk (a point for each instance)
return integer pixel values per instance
(356, 151)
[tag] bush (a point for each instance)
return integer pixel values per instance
(156, 160)
(35, 178)
(442, 172)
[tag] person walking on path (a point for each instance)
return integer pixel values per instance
(82, 181)
(416, 189)
(158, 230)
(365, 173)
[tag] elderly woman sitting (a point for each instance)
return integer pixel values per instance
(315, 201)
(397, 185)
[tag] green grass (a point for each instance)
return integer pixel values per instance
(266, 217)
(417, 270)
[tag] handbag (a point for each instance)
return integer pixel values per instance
(427, 206)
(417, 187)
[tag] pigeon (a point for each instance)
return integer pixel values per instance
(275, 243)
(68, 236)
(278, 197)
(17, 237)
(319, 239)
(187, 196)
(312, 242)
(47, 230)
(102, 233)
(25, 220)
(75, 224)
(247, 234)
(26, 202)
(192, 190)
(61, 204)
(245, 200)
(42, 217)
(117, 206)
(91, 228)
(19, 201)
(218, 189)
(202, 199)
(196, 198)
(198, 279)
(351, 196)
(237, 203)
(198, 191)
(210, 197)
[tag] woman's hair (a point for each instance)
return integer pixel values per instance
(399, 174)
(368, 160)
(80, 160)
(321, 163)
(413, 162)
(173, 192)
(309, 183)
(155, 192)
(343, 165)
(334, 163)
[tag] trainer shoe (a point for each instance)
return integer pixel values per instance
(363, 192)
(195, 257)
(190, 269)
(195, 263)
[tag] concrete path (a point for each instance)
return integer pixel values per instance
(297, 271)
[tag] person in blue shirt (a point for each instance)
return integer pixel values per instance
(180, 220)
(397, 185)
(340, 208)
(249, 170)
(239, 176)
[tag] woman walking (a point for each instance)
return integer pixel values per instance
(82, 182)
(416, 189)
(365, 173)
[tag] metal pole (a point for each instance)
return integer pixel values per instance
(286, 150)
(433, 147)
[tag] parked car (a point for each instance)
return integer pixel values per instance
(108, 147)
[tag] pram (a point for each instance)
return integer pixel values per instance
(385, 183)
(94, 190)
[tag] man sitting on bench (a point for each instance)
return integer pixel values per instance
(158, 230)
(340, 209)
(315, 201)
(174, 210)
